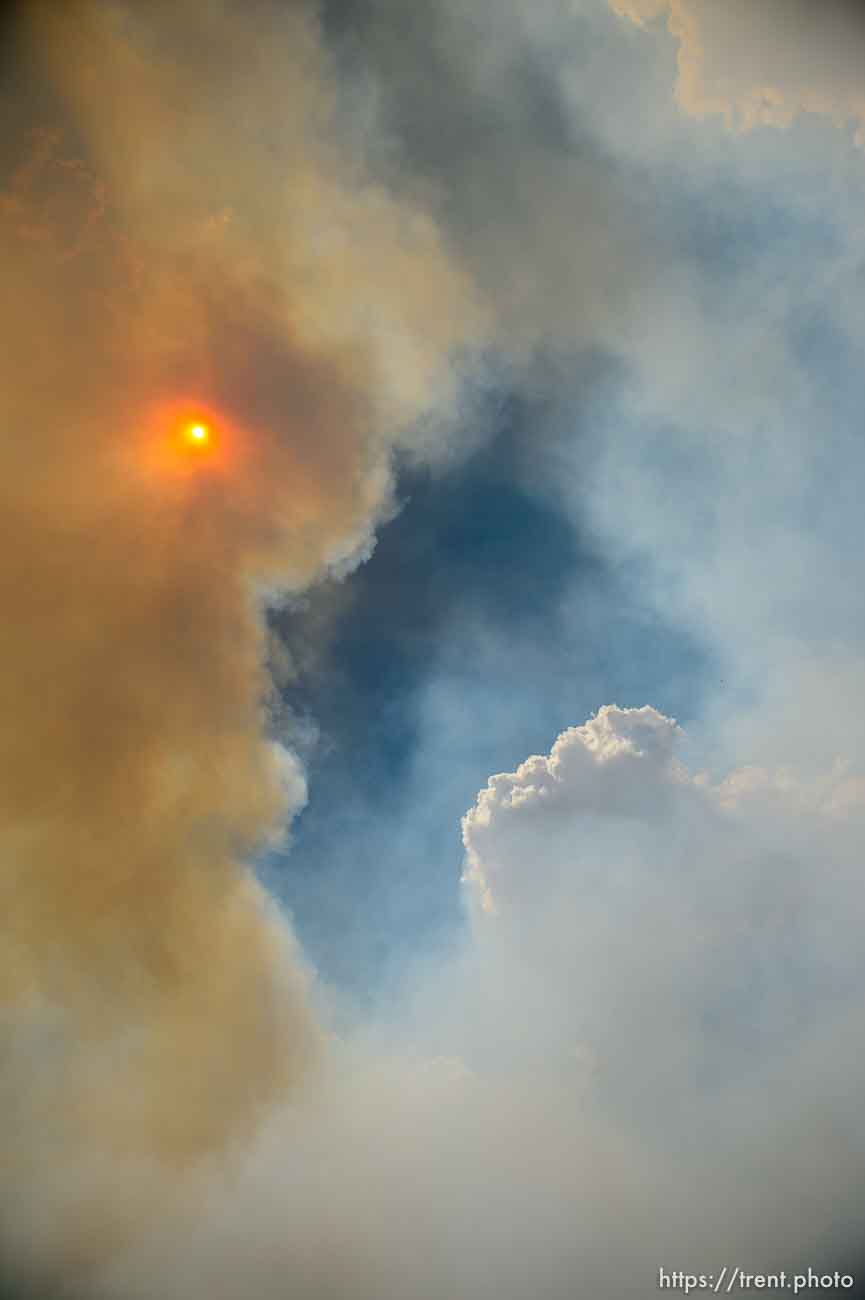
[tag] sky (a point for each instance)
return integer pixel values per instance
(432, 799)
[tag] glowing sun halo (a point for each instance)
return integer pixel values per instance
(186, 440)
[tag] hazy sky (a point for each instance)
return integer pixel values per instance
(431, 800)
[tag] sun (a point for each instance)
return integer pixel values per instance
(198, 434)
(187, 439)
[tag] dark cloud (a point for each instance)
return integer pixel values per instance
(471, 108)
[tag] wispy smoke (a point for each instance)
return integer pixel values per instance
(764, 64)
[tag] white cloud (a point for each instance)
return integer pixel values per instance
(662, 918)
(619, 763)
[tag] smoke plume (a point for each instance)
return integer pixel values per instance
(188, 237)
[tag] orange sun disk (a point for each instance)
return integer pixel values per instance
(198, 434)
(186, 441)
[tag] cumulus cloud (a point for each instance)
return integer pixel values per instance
(692, 863)
(697, 940)
(597, 767)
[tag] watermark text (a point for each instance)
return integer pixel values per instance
(731, 1279)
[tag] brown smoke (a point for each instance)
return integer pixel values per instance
(191, 238)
